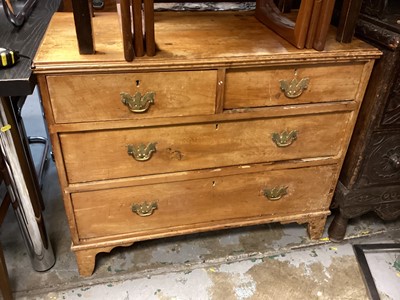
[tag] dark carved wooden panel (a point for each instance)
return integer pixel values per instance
(370, 178)
(392, 111)
(383, 200)
(375, 8)
(382, 164)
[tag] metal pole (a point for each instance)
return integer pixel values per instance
(24, 189)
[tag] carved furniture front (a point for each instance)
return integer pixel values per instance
(227, 125)
(370, 179)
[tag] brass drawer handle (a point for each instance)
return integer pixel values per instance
(142, 152)
(295, 88)
(285, 138)
(138, 103)
(144, 209)
(275, 193)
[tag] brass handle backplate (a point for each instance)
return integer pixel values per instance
(275, 193)
(294, 88)
(285, 138)
(142, 152)
(138, 103)
(144, 209)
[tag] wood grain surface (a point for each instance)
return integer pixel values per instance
(137, 19)
(324, 22)
(186, 42)
(326, 83)
(102, 155)
(194, 202)
(293, 31)
(98, 95)
(126, 24)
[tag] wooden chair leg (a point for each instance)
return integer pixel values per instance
(83, 26)
(126, 23)
(149, 27)
(4, 279)
(138, 28)
(348, 20)
(325, 16)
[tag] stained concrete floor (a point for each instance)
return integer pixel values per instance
(270, 261)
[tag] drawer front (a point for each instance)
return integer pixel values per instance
(85, 98)
(112, 154)
(197, 202)
(262, 87)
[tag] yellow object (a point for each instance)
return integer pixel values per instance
(3, 59)
(5, 128)
(12, 57)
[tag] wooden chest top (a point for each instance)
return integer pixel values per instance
(186, 40)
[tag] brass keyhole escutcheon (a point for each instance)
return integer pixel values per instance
(295, 87)
(138, 103)
(144, 209)
(275, 193)
(142, 152)
(285, 138)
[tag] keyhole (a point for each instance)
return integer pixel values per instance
(213, 183)
(216, 126)
(137, 83)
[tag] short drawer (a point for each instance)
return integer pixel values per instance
(271, 87)
(85, 98)
(162, 207)
(101, 155)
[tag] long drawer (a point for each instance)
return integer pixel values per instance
(164, 206)
(258, 87)
(97, 97)
(101, 155)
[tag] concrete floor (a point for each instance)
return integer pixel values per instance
(270, 261)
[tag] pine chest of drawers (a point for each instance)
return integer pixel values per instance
(228, 125)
